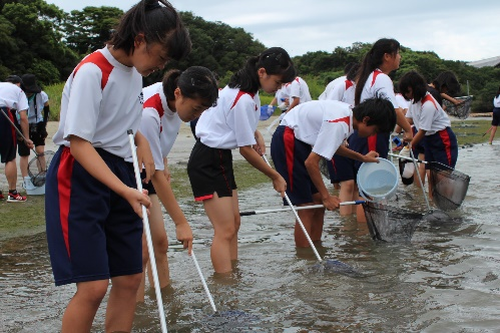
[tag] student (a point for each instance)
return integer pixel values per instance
(326, 94)
(443, 86)
(13, 103)
(94, 225)
(229, 125)
(496, 116)
(432, 123)
(373, 81)
(181, 97)
(299, 93)
(38, 115)
(316, 130)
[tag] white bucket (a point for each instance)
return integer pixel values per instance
(377, 181)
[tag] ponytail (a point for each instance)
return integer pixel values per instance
(274, 60)
(372, 60)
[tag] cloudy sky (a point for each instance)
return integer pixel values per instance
(454, 30)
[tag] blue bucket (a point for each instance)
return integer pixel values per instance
(266, 111)
(378, 181)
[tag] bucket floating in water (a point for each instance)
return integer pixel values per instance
(377, 181)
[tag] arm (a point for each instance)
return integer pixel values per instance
(402, 121)
(144, 156)
(354, 155)
(184, 233)
(418, 137)
(87, 156)
(25, 128)
(295, 102)
(312, 165)
(451, 99)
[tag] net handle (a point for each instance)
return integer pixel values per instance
(420, 180)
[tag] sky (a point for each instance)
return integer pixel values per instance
(453, 29)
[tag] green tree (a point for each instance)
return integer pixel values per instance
(89, 29)
(34, 41)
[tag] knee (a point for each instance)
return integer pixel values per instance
(161, 245)
(227, 232)
(93, 292)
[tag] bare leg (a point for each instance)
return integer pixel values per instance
(346, 194)
(220, 211)
(81, 310)
(11, 174)
(23, 165)
(421, 170)
(492, 134)
(237, 223)
(121, 303)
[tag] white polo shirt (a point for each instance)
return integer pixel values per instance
(299, 88)
(428, 115)
(380, 85)
(101, 100)
(322, 124)
(12, 97)
(232, 122)
(159, 124)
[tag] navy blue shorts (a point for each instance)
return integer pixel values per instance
(92, 233)
(210, 171)
(341, 169)
(289, 155)
(8, 140)
(496, 117)
(441, 147)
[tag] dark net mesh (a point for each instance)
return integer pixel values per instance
(449, 186)
(390, 224)
(461, 110)
(38, 166)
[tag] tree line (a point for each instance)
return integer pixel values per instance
(40, 38)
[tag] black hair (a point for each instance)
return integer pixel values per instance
(447, 80)
(14, 79)
(353, 71)
(195, 82)
(349, 66)
(274, 60)
(159, 22)
(372, 60)
(380, 112)
(416, 82)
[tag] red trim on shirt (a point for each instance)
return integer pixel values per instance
(348, 84)
(346, 120)
(289, 140)
(238, 96)
(155, 103)
(100, 61)
(429, 98)
(375, 74)
(64, 189)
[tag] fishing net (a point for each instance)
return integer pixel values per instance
(38, 166)
(449, 186)
(390, 224)
(461, 110)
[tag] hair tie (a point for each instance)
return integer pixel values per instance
(152, 5)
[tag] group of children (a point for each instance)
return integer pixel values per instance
(94, 217)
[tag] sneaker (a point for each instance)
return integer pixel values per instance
(16, 197)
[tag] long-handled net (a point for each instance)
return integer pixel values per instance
(461, 110)
(38, 166)
(390, 224)
(449, 186)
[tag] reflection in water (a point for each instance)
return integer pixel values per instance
(444, 280)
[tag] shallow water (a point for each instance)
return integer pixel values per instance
(444, 280)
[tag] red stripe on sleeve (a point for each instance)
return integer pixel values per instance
(100, 61)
